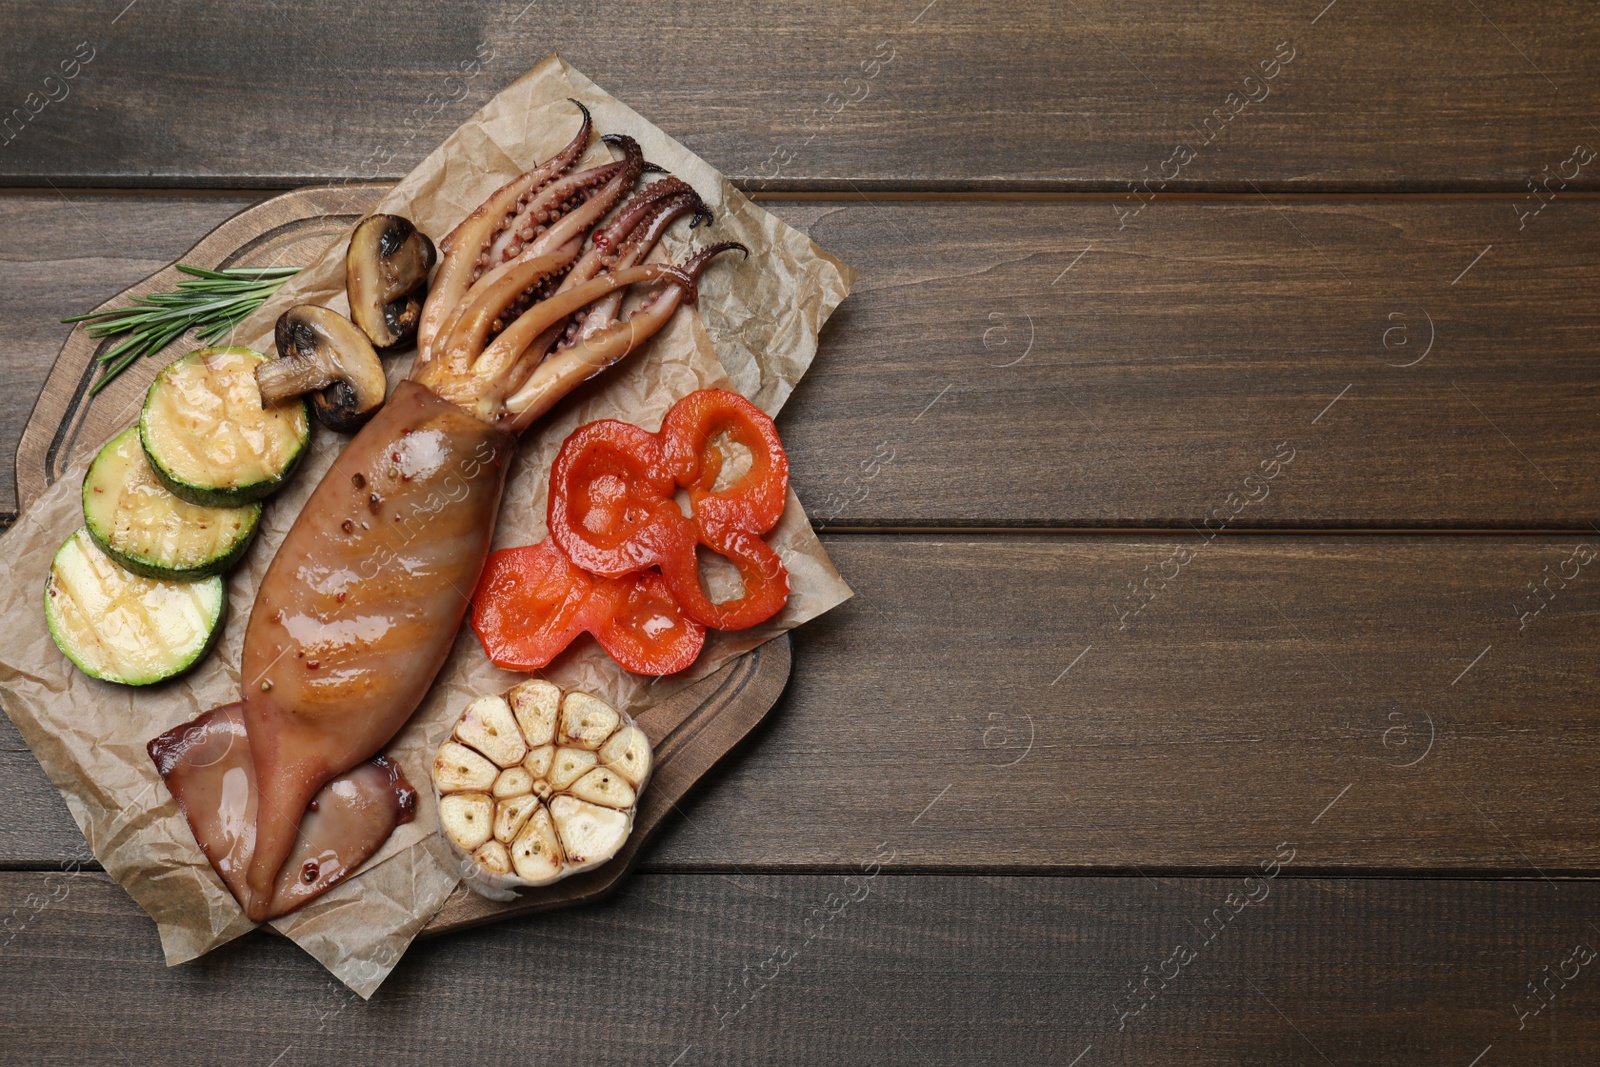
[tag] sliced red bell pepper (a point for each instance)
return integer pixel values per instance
(766, 581)
(532, 602)
(689, 434)
(613, 508)
(644, 628)
(529, 605)
(609, 485)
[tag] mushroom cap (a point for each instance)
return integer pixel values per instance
(386, 272)
(323, 352)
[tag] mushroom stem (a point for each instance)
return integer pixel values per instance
(324, 353)
(291, 376)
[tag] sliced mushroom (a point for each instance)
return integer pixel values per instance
(322, 352)
(386, 277)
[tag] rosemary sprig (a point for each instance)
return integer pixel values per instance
(210, 302)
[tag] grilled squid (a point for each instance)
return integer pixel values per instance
(286, 790)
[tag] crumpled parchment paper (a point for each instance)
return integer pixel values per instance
(756, 331)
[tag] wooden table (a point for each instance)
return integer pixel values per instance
(1221, 682)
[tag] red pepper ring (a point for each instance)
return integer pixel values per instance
(612, 509)
(645, 629)
(688, 449)
(532, 602)
(610, 496)
(766, 581)
(529, 605)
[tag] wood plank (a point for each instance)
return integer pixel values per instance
(984, 374)
(1164, 366)
(1376, 688)
(1094, 95)
(917, 970)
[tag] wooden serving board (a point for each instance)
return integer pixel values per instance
(692, 731)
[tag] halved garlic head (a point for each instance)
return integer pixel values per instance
(538, 785)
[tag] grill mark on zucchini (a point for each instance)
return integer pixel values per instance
(120, 627)
(207, 436)
(137, 522)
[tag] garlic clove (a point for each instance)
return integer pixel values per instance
(538, 761)
(537, 855)
(535, 703)
(493, 857)
(603, 786)
(590, 834)
(488, 726)
(512, 815)
(628, 753)
(468, 818)
(513, 781)
(570, 764)
(587, 721)
(458, 769)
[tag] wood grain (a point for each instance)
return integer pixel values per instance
(1369, 696)
(984, 375)
(1090, 95)
(918, 970)
(1015, 383)
(1384, 703)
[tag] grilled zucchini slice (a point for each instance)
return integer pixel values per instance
(121, 627)
(138, 523)
(207, 435)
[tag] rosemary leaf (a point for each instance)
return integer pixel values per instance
(210, 302)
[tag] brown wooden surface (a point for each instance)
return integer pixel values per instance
(917, 971)
(1138, 390)
(1064, 799)
(1275, 675)
(1034, 95)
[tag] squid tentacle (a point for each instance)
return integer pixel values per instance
(579, 201)
(624, 242)
(463, 246)
(570, 205)
(566, 370)
(470, 325)
(634, 250)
